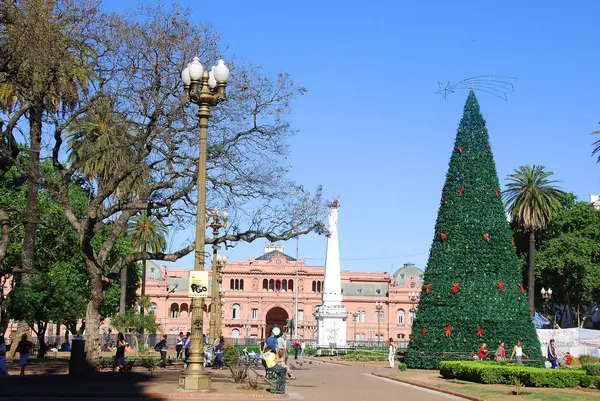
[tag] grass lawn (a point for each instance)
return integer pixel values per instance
(495, 392)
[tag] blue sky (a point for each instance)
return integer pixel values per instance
(371, 129)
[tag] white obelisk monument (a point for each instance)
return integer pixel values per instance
(331, 314)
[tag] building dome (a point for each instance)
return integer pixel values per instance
(407, 273)
(153, 271)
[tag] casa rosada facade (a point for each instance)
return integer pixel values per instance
(259, 294)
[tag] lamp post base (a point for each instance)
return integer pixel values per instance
(195, 382)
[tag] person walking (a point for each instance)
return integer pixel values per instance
(120, 355)
(162, 347)
(500, 351)
(23, 348)
(552, 356)
(219, 353)
(3, 369)
(296, 348)
(179, 346)
(186, 349)
(302, 348)
(518, 353)
(391, 352)
(285, 347)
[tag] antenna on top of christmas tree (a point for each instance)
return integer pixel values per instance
(496, 85)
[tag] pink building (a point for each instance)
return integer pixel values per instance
(259, 294)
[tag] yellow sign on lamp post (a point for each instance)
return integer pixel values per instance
(198, 284)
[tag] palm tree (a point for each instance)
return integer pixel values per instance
(596, 146)
(532, 200)
(148, 234)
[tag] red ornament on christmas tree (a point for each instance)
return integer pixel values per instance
(512, 241)
(479, 332)
(442, 197)
(497, 192)
(501, 285)
(448, 330)
(488, 148)
(521, 287)
(423, 331)
(443, 236)
(455, 288)
(486, 236)
(427, 288)
(462, 191)
(459, 149)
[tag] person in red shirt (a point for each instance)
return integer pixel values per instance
(568, 358)
(483, 351)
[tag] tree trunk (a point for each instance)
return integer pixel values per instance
(41, 334)
(531, 289)
(122, 303)
(93, 320)
(30, 213)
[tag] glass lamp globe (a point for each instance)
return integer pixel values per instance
(221, 72)
(196, 69)
(212, 82)
(185, 76)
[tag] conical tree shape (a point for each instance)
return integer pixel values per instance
(472, 290)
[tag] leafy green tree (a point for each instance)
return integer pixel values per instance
(472, 290)
(532, 200)
(568, 259)
(46, 69)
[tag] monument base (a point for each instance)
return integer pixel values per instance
(331, 326)
(200, 382)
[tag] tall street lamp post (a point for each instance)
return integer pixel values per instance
(413, 297)
(220, 304)
(218, 220)
(247, 327)
(547, 296)
(205, 90)
(355, 316)
(379, 309)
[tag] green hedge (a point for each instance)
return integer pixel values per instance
(495, 373)
(592, 369)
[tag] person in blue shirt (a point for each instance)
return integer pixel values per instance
(272, 342)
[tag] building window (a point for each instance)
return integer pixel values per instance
(174, 311)
(152, 308)
(278, 285)
(411, 317)
(413, 285)
(232, 284)
(235, 312)
(362, 317)
(314, 286)
(300, 316)
(400, 316)
(183, 308)
(265, 285)
(242, 285)
(291, 285)
(271, 285)
(254, 314)
(284, 285)
(237, 284)
(319, 287)
(235, 336)
(359, 291)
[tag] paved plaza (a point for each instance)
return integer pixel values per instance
(330, 382)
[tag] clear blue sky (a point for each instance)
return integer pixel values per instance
(371, 129)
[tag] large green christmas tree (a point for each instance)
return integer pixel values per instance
(472, 290)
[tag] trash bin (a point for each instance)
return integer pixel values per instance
(277, 379)
(77, 362)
